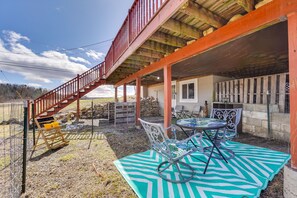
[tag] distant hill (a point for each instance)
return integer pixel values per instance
(9, 92)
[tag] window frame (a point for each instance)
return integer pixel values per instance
(187, 82)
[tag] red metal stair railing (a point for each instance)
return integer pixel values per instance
(70, 91)
(140, 15)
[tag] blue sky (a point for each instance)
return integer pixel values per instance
(36, 33)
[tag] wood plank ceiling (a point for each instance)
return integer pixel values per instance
(195, 19)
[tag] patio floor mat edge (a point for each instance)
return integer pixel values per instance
(237, 177)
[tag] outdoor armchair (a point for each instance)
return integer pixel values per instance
(197, 110)
(172, 150)
(232, 117)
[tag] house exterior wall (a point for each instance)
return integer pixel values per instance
(144, 91)
(204, 89)
(157, 91)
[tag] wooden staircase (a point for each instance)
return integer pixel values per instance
(60, 97)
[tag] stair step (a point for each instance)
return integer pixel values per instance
(65, 102)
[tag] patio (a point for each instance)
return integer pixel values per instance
(78, 171)
(238, 53)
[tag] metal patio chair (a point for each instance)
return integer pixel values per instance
(180, 112)
(172, 150)
(232, 117)
(196, 113)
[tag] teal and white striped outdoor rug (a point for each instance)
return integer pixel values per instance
(244, 176)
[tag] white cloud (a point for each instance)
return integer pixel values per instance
(108, 91)
(14, 37)
(3, 82)
(17, 58)
(79, 60)
(34, 85)
(95, 55)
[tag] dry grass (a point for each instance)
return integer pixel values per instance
(76, 171)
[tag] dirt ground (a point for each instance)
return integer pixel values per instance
(85, 168)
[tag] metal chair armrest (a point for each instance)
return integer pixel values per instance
(173, 130)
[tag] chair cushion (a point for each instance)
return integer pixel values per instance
(177, 148)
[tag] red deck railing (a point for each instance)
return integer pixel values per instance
(140, 14)
(68, 89)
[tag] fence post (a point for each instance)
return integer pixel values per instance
(25, 135)
(77, 104)
(33, 121)
(268, 113)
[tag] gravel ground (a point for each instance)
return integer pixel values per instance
(79, 171)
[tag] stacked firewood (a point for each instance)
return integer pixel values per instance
(149, 107)
(99, 111)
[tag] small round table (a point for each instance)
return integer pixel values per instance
(204, 124)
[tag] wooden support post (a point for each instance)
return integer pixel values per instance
(220, 92)
(258, 91)
(252, 91)
(282, 92)
(245, 96)
(115, 94)
(138, 85)
(273, 90)
(125, 92)
(77, 102)
(241, 84)
(236, 86)
(224, 91)
(232, 91)
(265, 89)
(228, 90)
(217, 92)
(167, 97)
(292, 31)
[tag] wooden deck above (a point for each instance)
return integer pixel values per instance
(172, 26)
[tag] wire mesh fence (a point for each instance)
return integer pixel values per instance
(11, 149)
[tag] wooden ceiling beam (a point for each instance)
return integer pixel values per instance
(256, 20)
(143, 58)
(124, 70)
(202, 14)
(134, 62)
(125, 65)
(158, 47)
(182, 28)
(167, 39)
(149, 53)
(248, 5)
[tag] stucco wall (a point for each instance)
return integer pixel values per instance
(157, 91)
(205, 90)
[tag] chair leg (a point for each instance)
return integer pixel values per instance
(219, 156)
(182, 178)
(180, 174)
(205, 169)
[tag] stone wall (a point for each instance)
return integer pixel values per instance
(254, 121)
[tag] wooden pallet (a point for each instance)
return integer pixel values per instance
(124, 113)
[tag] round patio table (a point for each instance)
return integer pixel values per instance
(204, 124)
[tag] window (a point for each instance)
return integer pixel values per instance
(189, 91)
(173, 92)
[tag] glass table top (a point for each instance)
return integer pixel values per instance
(201, 123)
